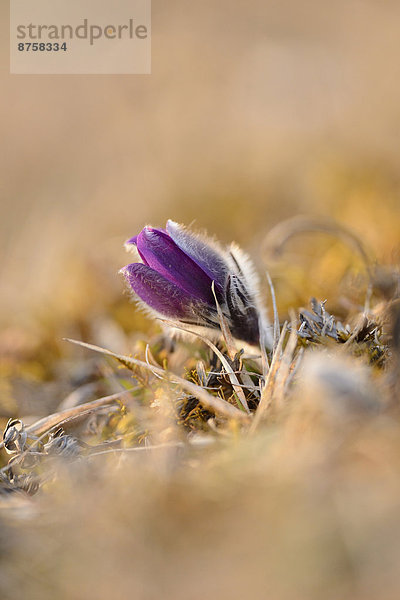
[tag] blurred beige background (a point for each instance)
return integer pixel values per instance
(255, 111)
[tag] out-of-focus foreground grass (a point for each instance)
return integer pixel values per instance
(254, 113)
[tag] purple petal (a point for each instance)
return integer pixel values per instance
(161, 253)
(204, 255)
(132, 241)
(160, 294)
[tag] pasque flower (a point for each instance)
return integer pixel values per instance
(175, 278)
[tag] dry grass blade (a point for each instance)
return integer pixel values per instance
(231, 374)
(151, 447)
(296, 364)
(147, 448)
(277, 331)
(361, 321)
(226, 332)
(47, 423)
(286, 364)
(44, 428)
(149, 356)
(263, 346)
(268, 387)
(216, 405)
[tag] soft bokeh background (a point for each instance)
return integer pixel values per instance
(256, 111)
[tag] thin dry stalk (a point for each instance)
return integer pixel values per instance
(54, 420)
(241, 398)
(216, 405)
(285, 365)
(277, 331)
(267, 390)
(226, 332)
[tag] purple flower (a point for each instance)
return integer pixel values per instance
(174, 280)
